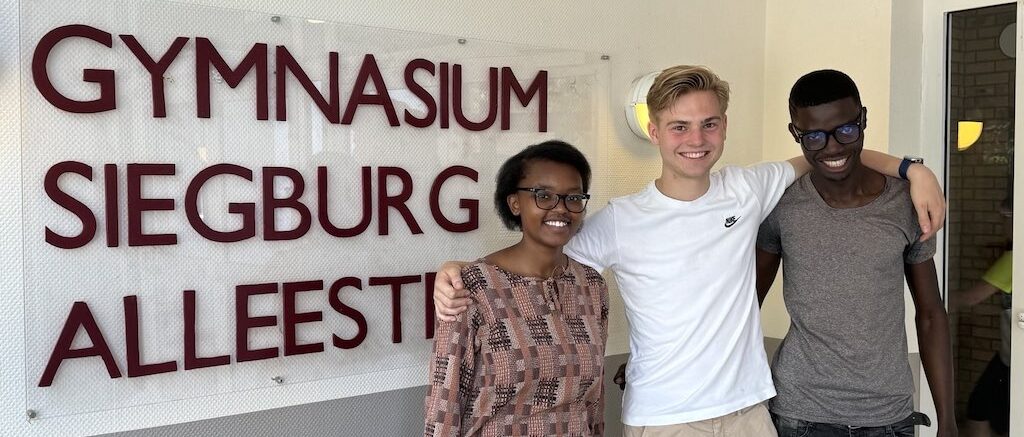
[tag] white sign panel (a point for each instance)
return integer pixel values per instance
(218, 202)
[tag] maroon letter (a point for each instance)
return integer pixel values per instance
(322, 207)
(370, 71)
(352, 313)
(420, 92)
(110, 190)
(131, 328)
(286, 63)
(243, 322)
(473, 221)
(137, 205)
(292, 318)
(156, 69)
(105, 78)
(510, 84)
(192, 360)
(207, 54)
(271, 204)
(396, 283)
(384, 201)
(428, 288)
(71, 204)
(492, 100)
(80, 317)
(246, 210)
(443, 95)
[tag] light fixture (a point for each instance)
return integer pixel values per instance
(967, 133)
(1008, 40)
(637, 115)
(314, 21)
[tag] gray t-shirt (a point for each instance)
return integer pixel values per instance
(844, 359)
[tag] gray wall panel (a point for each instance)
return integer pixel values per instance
(392, 413)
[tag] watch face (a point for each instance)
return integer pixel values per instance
(914, 159)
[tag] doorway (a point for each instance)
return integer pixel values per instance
(981, 54)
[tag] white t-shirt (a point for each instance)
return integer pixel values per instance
(686, 274)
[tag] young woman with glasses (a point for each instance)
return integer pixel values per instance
(527, 358)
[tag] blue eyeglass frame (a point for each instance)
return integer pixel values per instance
(858, 122)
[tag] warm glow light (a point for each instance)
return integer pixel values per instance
(642, 117)
(968, 133)
(637, 115)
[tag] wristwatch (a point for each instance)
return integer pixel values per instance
(905, 164)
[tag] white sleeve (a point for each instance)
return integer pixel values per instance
(768, 181)
(594, 245)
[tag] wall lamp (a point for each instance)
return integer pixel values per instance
(637, 115)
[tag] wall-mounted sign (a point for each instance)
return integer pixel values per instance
(218, 201)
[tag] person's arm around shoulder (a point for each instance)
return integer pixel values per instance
(800, 166)
(925, 190)
(933, 341)
(450, 295)
(767, 181)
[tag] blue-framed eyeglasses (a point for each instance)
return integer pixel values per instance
(844, 134)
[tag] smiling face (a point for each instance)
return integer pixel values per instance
(690, 135)
(835, 161)
(554, 227)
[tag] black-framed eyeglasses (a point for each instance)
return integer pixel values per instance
(846, 133)
(547, 200)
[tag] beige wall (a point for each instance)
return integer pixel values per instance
(800, 38)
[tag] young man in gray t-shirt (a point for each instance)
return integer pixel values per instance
(847, 236)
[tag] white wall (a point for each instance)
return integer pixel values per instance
(724, 35)
(806, 35)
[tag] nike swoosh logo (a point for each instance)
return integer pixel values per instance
(731, 221)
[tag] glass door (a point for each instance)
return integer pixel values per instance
(981, 113)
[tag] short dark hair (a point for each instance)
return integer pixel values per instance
(514, 169)
(820, 87)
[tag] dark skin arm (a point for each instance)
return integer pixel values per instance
(767, 267)
(933, 341)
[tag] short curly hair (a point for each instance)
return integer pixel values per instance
(821, 87)
(514, 169)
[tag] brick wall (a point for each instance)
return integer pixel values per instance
(981, 88)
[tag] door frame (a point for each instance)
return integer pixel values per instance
(922, 108)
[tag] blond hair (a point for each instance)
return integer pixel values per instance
(674, 82)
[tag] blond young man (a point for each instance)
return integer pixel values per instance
(682, 253)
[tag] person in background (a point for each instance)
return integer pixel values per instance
(988, 408)
(528, 356)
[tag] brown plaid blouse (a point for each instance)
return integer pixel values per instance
(527, 359)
